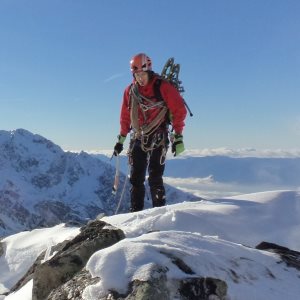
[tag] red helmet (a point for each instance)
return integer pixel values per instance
(140, 62)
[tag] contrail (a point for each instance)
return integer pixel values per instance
(113, 77)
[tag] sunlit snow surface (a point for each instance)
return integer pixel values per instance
(212, 237)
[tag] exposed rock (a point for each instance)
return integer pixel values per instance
(55, 212)
(64, 273)
(205, 288)
(63, 278)
(196, 288)
(290, 257)
(1, 249)
(73, 289)
(154, 288)
(29, 274)
(158, 286)
(2, 224)
(73, 257)
(179, 263)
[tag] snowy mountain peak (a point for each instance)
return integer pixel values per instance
(23, 140)
(41, 185)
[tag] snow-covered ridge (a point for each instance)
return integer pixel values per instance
(247, 219)
(41, 185)
(212, 238)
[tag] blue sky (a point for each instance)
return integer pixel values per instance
(65, 64)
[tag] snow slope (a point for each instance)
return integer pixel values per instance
(210, 236)
(23, 248)
(247, 219)
(252, 275)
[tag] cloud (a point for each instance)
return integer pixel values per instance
(294, 125)
(113, 77)
(208, 188)
(236, 153)
(244, 152)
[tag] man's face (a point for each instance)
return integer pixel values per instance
(142, 78)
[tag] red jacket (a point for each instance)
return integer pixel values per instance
(171, 97)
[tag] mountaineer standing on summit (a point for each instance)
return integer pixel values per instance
(149, 105)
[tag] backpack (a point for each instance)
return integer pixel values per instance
(170, 73)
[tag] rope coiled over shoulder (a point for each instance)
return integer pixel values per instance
(138, 101)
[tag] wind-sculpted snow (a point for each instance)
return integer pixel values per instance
(23, 248)
(185, 241)
(203, 256)
(247, 219)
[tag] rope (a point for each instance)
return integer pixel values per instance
(146, 130)
(122, 193)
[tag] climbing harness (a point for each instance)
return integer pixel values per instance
(149, 135)
(148, 144)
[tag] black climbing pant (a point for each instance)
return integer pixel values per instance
(139, 164)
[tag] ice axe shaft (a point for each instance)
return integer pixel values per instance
(116, 181)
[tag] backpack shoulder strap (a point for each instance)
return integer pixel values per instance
(156, 87)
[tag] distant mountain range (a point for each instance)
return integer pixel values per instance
(41, 185)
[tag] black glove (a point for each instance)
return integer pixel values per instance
(118, 149)
(119, 145)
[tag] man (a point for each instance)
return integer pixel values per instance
(148, 117)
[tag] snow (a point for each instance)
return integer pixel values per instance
(36, 177)
(22, 249)
(133, 259)
(210, 236)
(247, 219)
(24, 293)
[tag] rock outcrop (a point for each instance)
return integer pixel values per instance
(156, 287)
(1, 249)
(290, 257)
(64, 276)
(70, 260)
